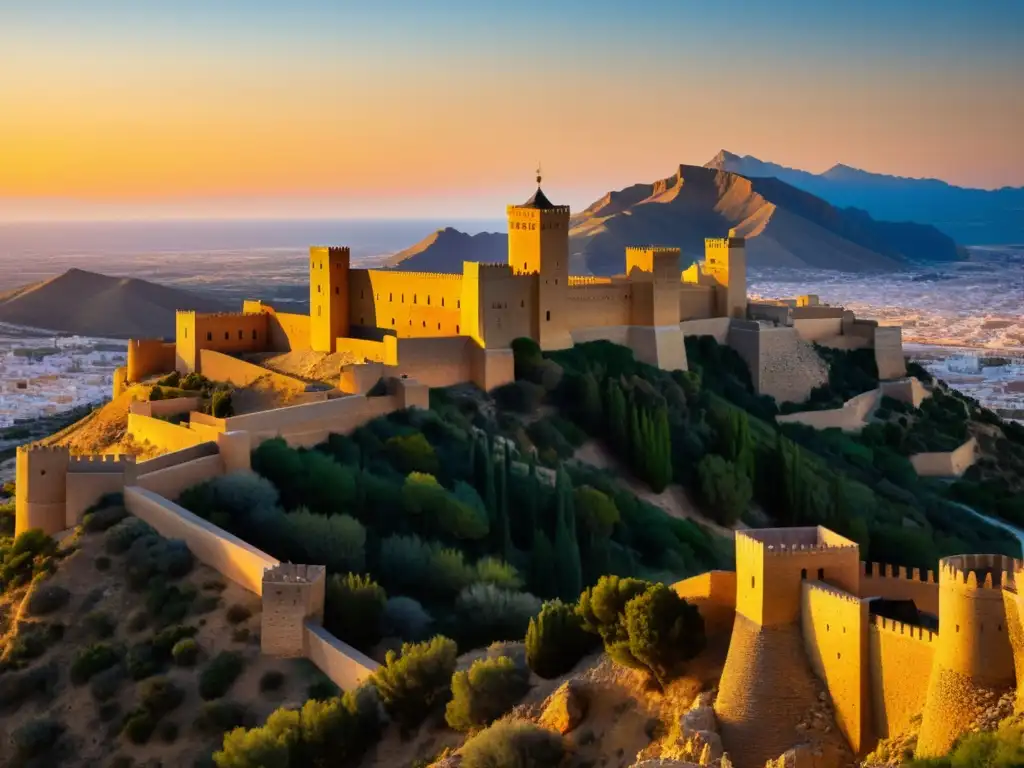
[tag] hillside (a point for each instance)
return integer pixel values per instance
(784, 226)
(92, 304)
(969, 216)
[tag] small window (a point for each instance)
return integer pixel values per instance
(524, 266)
(751, 582)
(391, 297)
(821, 574)
(226, 335)
(337, 291)
(522, 303)
(403, 298)
(209, 335)
(803, 573)
(458, 304)
(456, 329)
(186, 333)
(42, 472)
(957, 627)
(428, 299)
(392, 321)
(839, 655)
(828, 627)
(442, 301)
(360, 293)
(424, 323)
(240, 335)
(548, 314)
(254, 335)
(318, 311)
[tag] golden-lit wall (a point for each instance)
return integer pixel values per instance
(170, 482)
(538, 242)
(286, 331)
(835, 626)
(412, 304)
(714, 594)
(435, 362)
(597, 305)
(168, 407)
(660, 263)
(895, 582)
(40, 493)
(383, 351)
(328, 296)
(344, 665)
(147, 357)
(900, 661)
(229, 332)
(85, 488)
(725, 261)
(220, 367)
(161, 434)
(497, 304)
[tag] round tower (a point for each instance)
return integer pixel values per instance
(41, 488)
(973, 656)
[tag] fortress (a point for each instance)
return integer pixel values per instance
(443, 329)
(806, 609)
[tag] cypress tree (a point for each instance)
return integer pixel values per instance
(530, 511)
(489, 494)
(543, 576)
(567, 551)
(633, 447)
(591, 412)
(504, 529)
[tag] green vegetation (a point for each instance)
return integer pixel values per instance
(353, 608)
(556, 640)
(484, 692)
(416, 679)
(513, 743)
(991, 749)
(220, 674)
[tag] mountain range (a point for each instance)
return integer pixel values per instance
(969, 216)
(91, 304)
(784, 226)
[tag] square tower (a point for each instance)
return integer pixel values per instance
(292, 595)
(538, 244)
(653, 261)
(725, 260)
(328, 297)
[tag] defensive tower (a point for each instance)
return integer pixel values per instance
(328, 297)
(292, 595)
(40, 498)
(974, 657)
(538, 244)
(725, 260)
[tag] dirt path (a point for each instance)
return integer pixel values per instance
(674, 500)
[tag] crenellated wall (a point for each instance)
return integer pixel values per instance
(231, 333)
(292, 594)
(285, 331)
(894, 582)
(408, 303)
(900, 658)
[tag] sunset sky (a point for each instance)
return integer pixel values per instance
(408, 108)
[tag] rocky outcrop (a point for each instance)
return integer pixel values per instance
(565, 708)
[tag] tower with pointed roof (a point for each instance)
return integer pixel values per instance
(538, 246)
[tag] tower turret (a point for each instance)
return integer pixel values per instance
(725, 260)
(538, 244)
(40, 495)
(328, 297)
(973, 657)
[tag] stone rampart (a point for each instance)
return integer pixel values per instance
(888, 342)
(174, 458)
(285, 331)
(384, 351)
(170, 482)
(834, 626)
(86, 488)
(894, 582)
(436, 362)
(161, 434)
(343, 664)
(222, 551)
(851, 417)
(147, 357)
(817, 328)
(900, 660)
(948, 463)
(908, 390)
(714, 594)
(220, 367)
(716, 327)
(292, 594)
(168, 407)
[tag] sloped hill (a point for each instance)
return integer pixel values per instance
(969, 216)
(446, 249)
(785, 226)
(92, 304)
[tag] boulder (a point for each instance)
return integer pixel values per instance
(565, 709)
(699, 718)
(706, 744)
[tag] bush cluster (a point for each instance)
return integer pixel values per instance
(92, 659)
(485, 691)
(220, 674)
(556, 640)
(353, 608)
(513, 743)
(416, 679)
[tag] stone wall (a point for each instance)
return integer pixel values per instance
(170, 482)
(439, 362)
(834, 627)
(816, 329)
(851, 417)
(173, 459)
(384, 351)
(168, 407)
(946, 464)
(292, 594)
(147, 357)
(908, 390)
(714, 594)
(222, 551)
(86, 488)
(217, 366)
(343, 664)
(894, 582)
(161, 434)
(900, 660)
(716, 327)
(889, 352)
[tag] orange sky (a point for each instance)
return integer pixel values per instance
(290, 116)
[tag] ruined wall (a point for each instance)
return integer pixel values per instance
(714, 594)
(161, 434)
(169, 407)
(147, 357)
(900, 660)
(696, 302)
(344, 665)
(835, 631)
(120, 380)
(851, 417)
(946, 464)
(412, 304)
(220, 367)
(222, 551)
(170, 482)
(889, 352)
(894, 582)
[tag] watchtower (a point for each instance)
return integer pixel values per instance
(725, 260)
(656, 262)
(538, 244)
(40, 498)
(292, 595)
(973, 655)
(328, 297)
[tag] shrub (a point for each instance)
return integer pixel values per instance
(99, 624)
(36, 737)
(46, 598)
(185, 652)
(151, 558)
(220, 674)
(240, 634)
(92, 659)
(237, 613)
(404, 563)
(172, 379)
(353, 606)
(462, 516)
(138, 725)
(221, 405)
(120, 537)
(337, 541)
(271, 680)
(30, 554)
(216, 717)
(484, 692)
(334, 732)
(988, 749)
(513, 743)
(103, 518)
(405, 618)
(556, 640)
(206, 604)
(138, 620)
(491, 570)
(724, 488)
(32, 641)
(105, 685)
(412, 453)
(160, 695)
(322, 689)
(411, 682)
(102, 563)
(18, 687)
(486, 613)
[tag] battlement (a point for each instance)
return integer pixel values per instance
(665, 250)
(883, 624)
(293, 573)
(107, 459)
(332, 250)
(979, 571)
(886, 571)
(839, 594)
(49, 450)
(781, 542)
(588, 280)
(561, 210)
(724, 242)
